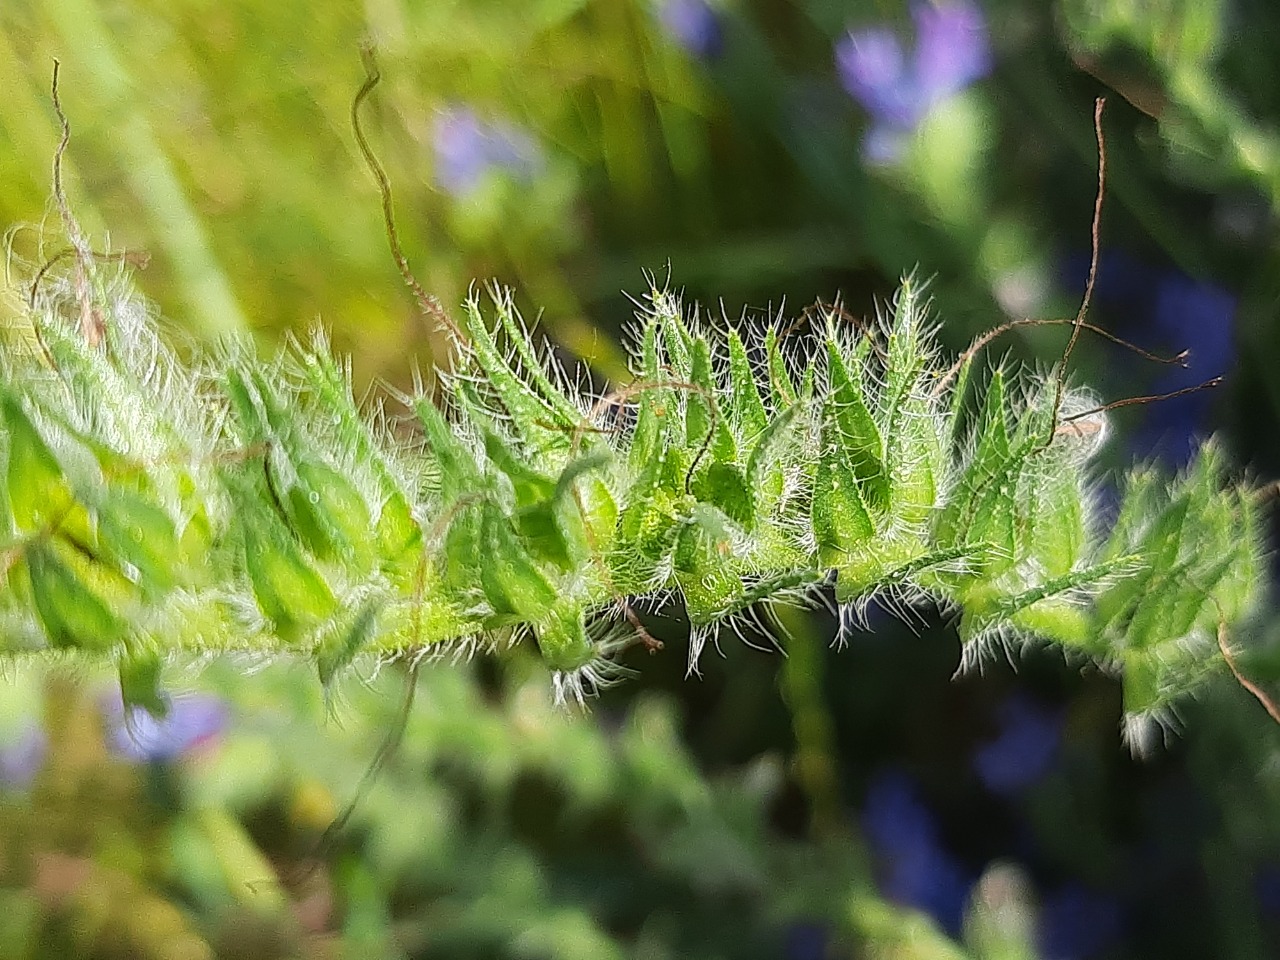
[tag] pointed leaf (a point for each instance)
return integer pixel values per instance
(511, 580)
(39, 494)
(73, 614)
(345, 638)
(749, 415)
(857, 441)
(784, 394)
(839, 516)
(704, 565)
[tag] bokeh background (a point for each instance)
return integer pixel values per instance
(762, 155)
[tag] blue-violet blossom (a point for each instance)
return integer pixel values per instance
(952, 50)
(192, 720)
(467, 148)
(1024, 749)
(694, 25)
(22, 755)
(915, 868)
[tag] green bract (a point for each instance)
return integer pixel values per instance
(152, 505)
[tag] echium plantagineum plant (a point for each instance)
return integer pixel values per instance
(159, 502)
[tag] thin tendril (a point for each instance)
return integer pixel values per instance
(1155, 398)
(91, 323)
(1180, 359)
(428, 304)
(1094, 230)
(1267, 703)
(134, 258)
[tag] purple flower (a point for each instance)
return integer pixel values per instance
(951, 52)
(467, 148)
(1076, 923)
(915, 868)
(874, 71)
(695, 26)
(22, 755)
(191, 721)
(1025, 748)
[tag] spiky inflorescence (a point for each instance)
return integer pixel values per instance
(155, 505)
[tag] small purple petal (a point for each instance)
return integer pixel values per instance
(1024, 750)
(461, 156)
(192, 720)
(513, 150)
(873, 71)
(466, 148)
(893, 816)
(22, 756)
(915, 868)
(952, 49)
(695, 26)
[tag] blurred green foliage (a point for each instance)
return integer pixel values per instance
(503, 827)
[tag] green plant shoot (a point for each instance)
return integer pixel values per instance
(155, 504)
